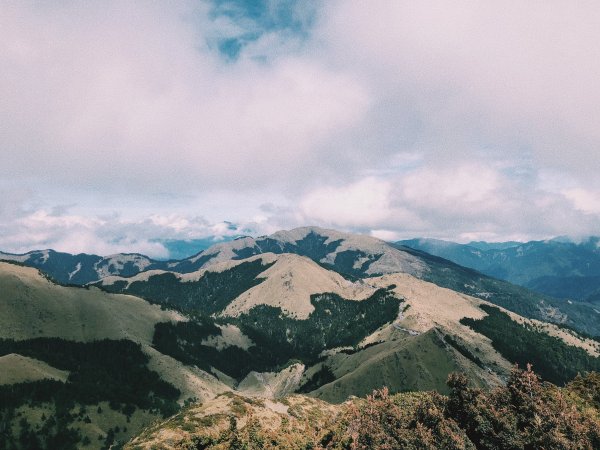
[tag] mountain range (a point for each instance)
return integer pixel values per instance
(352, 256)
(559, 267)
(95, 349)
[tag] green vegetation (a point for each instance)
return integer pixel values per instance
(463, 350)
(554, 360)
(107, 370)
(344, 262)
(323, 376)
(183, 341)
(210, 294)
(587, 390)
(55, 433)
(278, 339)
(335, 322)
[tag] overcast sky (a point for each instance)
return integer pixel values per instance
(123, 123)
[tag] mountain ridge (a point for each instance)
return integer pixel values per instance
(356, 257)
(558, 268)
(265, 325)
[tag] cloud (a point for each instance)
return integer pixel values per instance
(66, 229)
(159, 120)
(463, 201)
(584, 200)
(362, 204)
(509, 77)
(129, 97)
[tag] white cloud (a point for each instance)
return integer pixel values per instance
(405, 119)
(127, 97)
(362, 204)
(505, 76)
(463, 202)
(584, 200)
(75, 233)
(386, 235)
(464, 187)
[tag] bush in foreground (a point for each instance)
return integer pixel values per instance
(524, 414)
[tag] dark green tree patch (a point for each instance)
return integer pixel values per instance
(335, 322)
(106, 370)
(320, 378)
(210, 294)
(463, 350)
(551, 357)
(278, 339)
(344, 262)
(183, 341)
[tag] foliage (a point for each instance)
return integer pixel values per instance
(183, 341)
(521, 344)
(525, 414)
(107, 370)
(335, 322)
(278, 339)
(210, 294)
(111, 370)
(587, 389)
(463, 350)
(386, 422)
(321, 377)
(344, 262)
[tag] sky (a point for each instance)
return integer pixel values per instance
(126, 124)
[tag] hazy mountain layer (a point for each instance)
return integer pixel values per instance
(557, 268)
(82, 268)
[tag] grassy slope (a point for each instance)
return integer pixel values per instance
(522, 301)
(33, 307)
(415, 363)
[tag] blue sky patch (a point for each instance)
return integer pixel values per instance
(255, 18)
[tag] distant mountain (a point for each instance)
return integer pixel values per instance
(85, 268)
(353, 256)
(482, 245)
(184, 248)
(558, 267)
(350, 254)
(358, 256)
(349, 335)
(82, 268)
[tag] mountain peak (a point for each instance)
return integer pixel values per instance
(289, 284)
